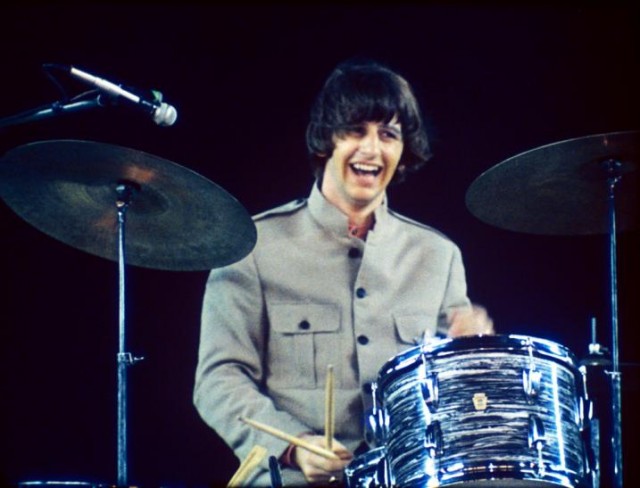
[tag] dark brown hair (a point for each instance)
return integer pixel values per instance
(358, 92)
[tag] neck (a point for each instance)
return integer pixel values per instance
(360, 230)
(360, 219)
(360, 214)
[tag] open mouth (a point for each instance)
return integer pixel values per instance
(365, 169)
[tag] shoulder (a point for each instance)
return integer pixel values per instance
(281, 224)
(419, 228)
(281, 211)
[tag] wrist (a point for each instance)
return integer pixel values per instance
(287, 458)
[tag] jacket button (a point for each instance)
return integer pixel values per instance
(304, 325)
(363, 339)
(361, 293)
(354, 252)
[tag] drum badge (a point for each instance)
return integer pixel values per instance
(480, 401)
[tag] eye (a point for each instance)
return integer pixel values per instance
(350, 131)
(356, 130)
(390, 134)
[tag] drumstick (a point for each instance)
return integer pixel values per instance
(255, 456)
(296, 441)
(329, 409)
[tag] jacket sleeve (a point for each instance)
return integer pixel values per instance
(230, 375)
(455, 295)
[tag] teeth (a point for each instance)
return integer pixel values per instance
(366, 168)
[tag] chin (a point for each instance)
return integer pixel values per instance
(362, 199)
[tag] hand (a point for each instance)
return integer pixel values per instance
(317, 469)
(474, 321)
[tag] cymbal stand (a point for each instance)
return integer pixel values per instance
(125, 359)
(595, 367)
(612, 168)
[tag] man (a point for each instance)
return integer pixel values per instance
(336, 279)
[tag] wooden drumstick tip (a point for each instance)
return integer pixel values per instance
(296, 441)
(247, 466)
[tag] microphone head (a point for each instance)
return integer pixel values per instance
(165, 115)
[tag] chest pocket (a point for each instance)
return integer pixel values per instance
(303, 341)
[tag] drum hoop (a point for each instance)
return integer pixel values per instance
(517, 344)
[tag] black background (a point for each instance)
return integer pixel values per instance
(494, 80)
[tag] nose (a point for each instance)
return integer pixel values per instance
(370, 144)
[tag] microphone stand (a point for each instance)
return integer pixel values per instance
(56, 108)
(124, 193)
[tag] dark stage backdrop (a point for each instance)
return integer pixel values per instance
(493, 80)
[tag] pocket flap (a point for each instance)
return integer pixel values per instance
(304, 318)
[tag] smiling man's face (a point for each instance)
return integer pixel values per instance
(364, 159)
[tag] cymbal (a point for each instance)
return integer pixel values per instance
(561, 188)
(176, 219)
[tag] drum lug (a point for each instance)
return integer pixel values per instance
(376, 428)
(537, 440)
(433, 440)
(537, 437)
(531, 381)
(430, 391)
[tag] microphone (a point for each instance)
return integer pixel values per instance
(162, 113)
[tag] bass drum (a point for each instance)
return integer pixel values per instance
(484, 411)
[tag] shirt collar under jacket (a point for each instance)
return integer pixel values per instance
(330, 217)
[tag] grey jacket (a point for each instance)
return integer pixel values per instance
(309, 295)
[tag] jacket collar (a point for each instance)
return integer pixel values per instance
(331, 218)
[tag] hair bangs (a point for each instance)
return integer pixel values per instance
(368, 98)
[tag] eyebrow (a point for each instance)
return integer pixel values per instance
(395, 127)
